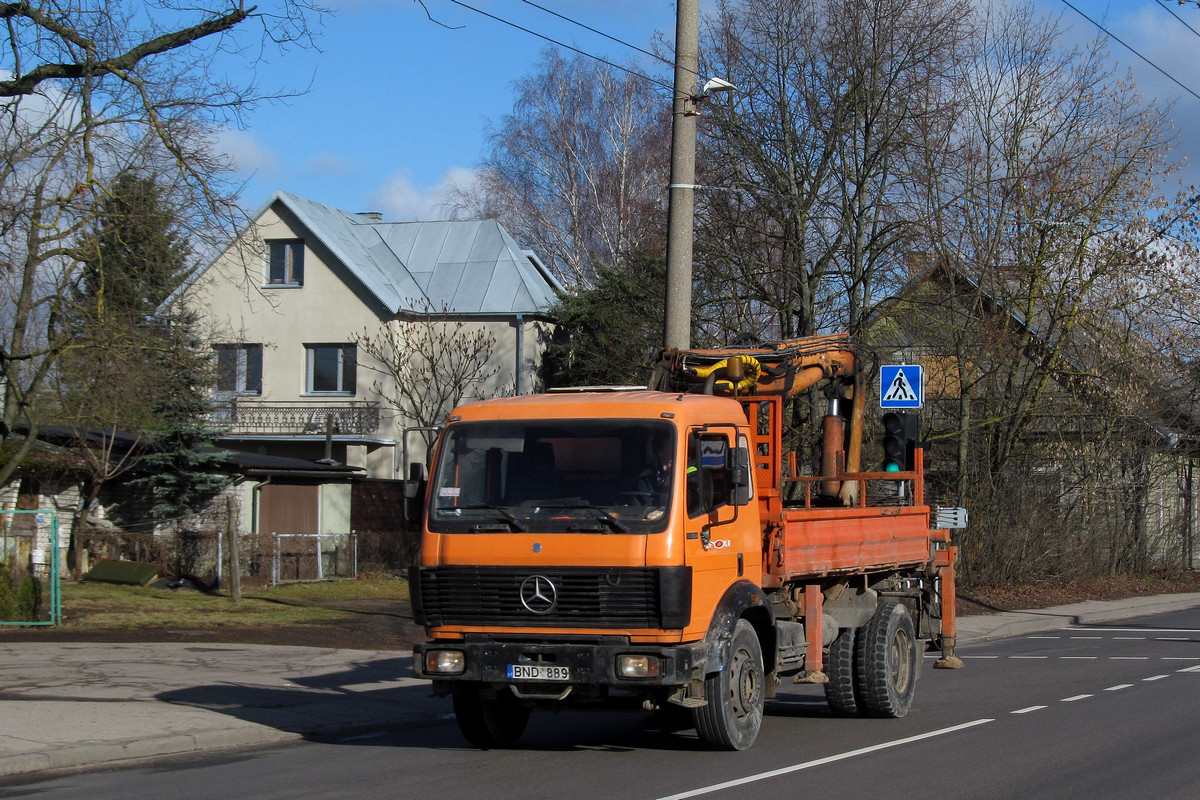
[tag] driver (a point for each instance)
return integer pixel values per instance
(655, 479)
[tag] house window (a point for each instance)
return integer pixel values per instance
(332, 368)
(287, 263)
(239, 368)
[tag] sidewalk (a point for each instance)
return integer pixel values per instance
(80, 704)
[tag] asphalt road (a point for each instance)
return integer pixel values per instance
(1100, 711)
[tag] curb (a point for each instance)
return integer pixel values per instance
(1015, 623)
(176, 744)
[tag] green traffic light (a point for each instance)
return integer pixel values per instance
(891, 466)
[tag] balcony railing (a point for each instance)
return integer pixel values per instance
(242, 416)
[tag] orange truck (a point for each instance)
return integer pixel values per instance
(657, 548)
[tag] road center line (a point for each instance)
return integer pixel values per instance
(775, 773)
(1155, 678)
(1027, 710)
(1075, 698)
(1119, 687)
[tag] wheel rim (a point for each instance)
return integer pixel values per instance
(745, 688)
(898, 663)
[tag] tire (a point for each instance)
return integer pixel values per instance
(840, 692)
(885, 663)
(489, 722)
(733, 715)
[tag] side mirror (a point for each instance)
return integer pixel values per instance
(414, 492)
(739, 476)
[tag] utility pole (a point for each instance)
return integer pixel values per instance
(681, 191)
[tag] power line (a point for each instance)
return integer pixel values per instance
(655, 56)
(1117, 39)
(542, 36)
(1182, 21)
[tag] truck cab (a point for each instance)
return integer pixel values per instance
(605, 540)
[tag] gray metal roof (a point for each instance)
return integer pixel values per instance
(468, 267)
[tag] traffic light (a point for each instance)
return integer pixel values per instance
(900, 432)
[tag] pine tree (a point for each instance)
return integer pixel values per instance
(137, 366)
(608, 334)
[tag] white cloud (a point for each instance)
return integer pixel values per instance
(401, 200)
(331, 165)
(249, 155)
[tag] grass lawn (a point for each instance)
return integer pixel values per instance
(106, 606)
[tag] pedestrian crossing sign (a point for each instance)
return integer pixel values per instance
(901, 386)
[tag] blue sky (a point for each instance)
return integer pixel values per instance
(398, 105)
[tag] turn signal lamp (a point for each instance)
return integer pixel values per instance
(445, 662)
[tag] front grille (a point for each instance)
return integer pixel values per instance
(586, 597)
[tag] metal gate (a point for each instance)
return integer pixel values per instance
(307, 557)
(30, 569)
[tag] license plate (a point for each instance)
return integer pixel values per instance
(538, 672)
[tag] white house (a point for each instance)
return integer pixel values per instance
(285, 304)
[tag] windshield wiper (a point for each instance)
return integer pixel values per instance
(503, 515)
(602, 514)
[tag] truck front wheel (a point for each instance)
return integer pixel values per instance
(489, 721)
(731, 718)
(886, 662)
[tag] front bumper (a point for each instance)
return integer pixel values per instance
(590, 664)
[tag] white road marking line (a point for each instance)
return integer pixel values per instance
(1087, 637)
(1119, 687)
(1079, 658)
(1181, 658)
(979, 656)
(1029, 657)
(1195, 668)
(1129, 658)
(775, 773)
(1156, 677)
(1027, 710)
(1075, 698)
(1139, 630)
(1129, 638)
(1173, 639)
(1043, 637)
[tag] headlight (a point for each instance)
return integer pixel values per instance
(631, 666)
(445, 662)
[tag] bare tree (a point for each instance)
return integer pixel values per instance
(90, 93)
(807, 160)
(579, 167)
(428, 363)
(1049, 220)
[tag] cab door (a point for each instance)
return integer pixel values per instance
(721, 537)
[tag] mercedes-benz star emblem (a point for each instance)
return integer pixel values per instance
(538, 594)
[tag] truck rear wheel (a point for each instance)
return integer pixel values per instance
(490, 721)
(839, 667)
(886, 662)
(731, 718)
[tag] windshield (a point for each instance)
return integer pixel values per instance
(603, 476)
